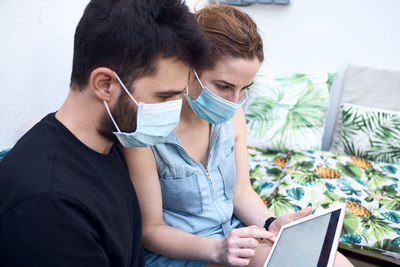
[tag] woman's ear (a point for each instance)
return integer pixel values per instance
(102, 83)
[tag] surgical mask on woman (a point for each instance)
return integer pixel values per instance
(154, 122)
(211, 107)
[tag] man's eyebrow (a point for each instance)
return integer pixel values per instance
(168, 93)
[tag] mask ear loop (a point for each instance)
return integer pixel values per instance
(126, 90)
(197, 76)
(111, 116)
(108, 109)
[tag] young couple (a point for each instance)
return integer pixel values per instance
(140, 69)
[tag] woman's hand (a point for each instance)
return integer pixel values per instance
(287, 218)
(237, 248)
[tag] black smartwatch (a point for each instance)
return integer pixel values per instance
(268, 222)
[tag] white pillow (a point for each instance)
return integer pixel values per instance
(286, 111)
(370, 133)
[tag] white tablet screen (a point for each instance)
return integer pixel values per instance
(307, 243)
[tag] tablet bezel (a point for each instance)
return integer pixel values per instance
(338, 231)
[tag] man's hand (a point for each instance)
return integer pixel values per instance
(287, 218)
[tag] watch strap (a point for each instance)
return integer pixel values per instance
(268, 222)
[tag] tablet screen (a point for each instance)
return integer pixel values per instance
(306, 244)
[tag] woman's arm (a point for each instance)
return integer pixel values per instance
(235, 249)
(248, 206)
(157, 236)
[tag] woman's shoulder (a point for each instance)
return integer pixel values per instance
(239, 122)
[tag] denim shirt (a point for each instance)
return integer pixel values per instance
(199, 200)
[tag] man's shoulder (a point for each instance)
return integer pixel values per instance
(50, 200)
(27, 170)
(31, 155)
(40, 138)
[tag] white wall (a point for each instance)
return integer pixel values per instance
(36, 42)
(36, 46)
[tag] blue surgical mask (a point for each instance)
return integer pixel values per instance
(211, 107)
(154, 122)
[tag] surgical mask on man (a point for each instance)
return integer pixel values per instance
(154, 122)
(211, 107)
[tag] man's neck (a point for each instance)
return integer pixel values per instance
(81, 117)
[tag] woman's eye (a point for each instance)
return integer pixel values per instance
(220, 86)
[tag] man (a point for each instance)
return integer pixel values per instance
(66, 198)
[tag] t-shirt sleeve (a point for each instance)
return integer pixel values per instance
(50, 230)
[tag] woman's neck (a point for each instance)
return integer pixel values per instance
(189, 117)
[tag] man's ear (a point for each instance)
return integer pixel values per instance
(190, 75)
(102, 83)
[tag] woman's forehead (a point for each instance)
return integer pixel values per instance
(239, 72)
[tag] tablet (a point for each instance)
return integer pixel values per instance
(310, 241)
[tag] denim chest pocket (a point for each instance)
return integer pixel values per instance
(227, 168)
(181, 194)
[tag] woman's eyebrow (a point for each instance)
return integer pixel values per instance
(232, 85)
(222, 81)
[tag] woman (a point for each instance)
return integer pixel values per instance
(194, 189)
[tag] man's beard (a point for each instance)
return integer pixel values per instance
(124, 114)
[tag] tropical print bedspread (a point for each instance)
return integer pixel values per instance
(265, 170)
(288, 183)
(3, 153)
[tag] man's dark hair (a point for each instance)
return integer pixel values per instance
(129, 36)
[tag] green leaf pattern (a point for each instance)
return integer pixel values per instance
(392, 216)
(370, 133)
(352, 238)
(264, 173)
(296, 193)
(286, 111)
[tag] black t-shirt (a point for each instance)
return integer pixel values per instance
(63, 204)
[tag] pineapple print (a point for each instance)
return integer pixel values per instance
(360, 162)
(280, 162)
(327, 173)
(357, 209)
(265, 200)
